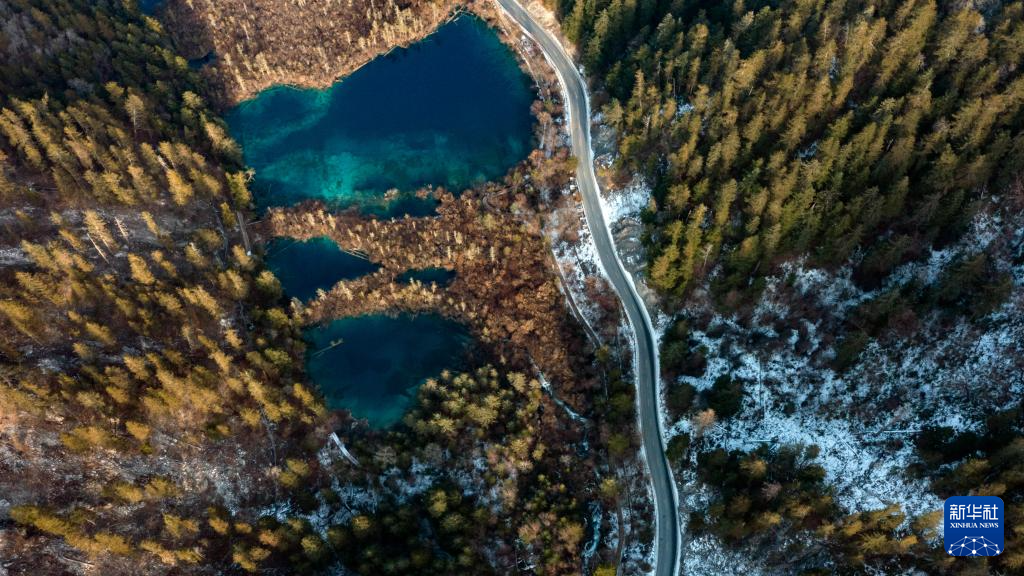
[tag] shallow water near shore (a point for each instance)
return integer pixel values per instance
(452, 110)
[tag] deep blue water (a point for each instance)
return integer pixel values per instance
(149, 6)
(381, 362)
(452, 110)
(303, 267)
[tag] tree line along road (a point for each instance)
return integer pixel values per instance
(646, 346)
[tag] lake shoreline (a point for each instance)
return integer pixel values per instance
(262, 43)
(368, 140)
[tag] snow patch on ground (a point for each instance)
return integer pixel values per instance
(864, 420)
(865, 470)
(13, 257)
(639, 556)
(706, 555)
(625, 203)
(577, 261)
(789, 400)
(418, 480)
(984, 231)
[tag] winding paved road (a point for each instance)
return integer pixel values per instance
(646, 349)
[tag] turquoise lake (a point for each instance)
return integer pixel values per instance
(305, 267)
(381, 361)
(452, 110)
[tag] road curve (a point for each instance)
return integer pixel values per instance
(646, 348)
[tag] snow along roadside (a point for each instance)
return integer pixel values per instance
(634, 293)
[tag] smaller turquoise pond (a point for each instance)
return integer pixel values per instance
(305, 267)
(452, 110)
(381, 361)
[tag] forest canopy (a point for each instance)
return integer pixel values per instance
(769, 129)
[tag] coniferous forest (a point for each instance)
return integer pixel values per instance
(146, 364)
(863, 135)
(773, 129)
(155, 413)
